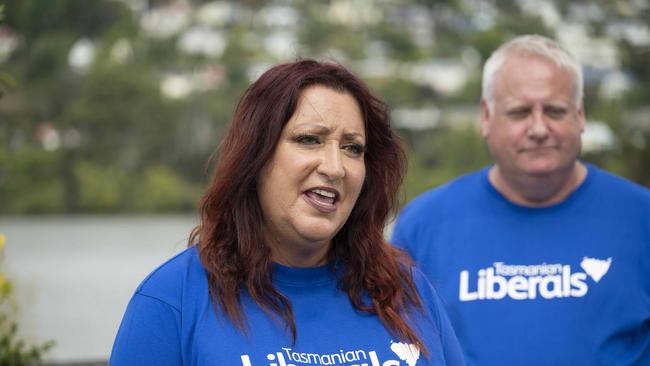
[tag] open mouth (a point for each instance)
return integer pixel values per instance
(323, 200)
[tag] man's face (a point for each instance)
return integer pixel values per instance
(534, 127)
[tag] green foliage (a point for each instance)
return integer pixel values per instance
(398, 92)
(160, 189)
(108, 188)
(29, 181)
(639, 95)
(6, 83)
(130, 135)
(101, 187)
(400, 43)
(320, 36)
(443, 156)
(13, 350)
(47, 56)
(485, 42)
(91, 18)
(137, 150)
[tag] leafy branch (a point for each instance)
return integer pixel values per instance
(14, 351)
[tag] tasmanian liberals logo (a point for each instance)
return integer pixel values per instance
(288, 357)
(527, 282)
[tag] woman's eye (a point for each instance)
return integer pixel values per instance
(355, 149)
(307, 139)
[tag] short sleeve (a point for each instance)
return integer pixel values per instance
(149, 334)
(451, 347)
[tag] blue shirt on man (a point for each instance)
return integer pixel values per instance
(567, 284)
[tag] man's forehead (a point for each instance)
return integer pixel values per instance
(532, 65)
(555, 101)
(534, 84)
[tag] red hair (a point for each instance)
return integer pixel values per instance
(231, 244)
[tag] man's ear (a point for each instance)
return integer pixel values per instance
(485, 118)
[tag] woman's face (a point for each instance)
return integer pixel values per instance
(312, 181)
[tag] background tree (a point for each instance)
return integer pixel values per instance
(114, 107)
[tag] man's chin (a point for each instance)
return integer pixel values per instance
(541, 167)
(540, 172)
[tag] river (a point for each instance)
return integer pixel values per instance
(74, 275)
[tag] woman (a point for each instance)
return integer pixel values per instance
(291, 267)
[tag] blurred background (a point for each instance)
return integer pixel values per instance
(110, 109)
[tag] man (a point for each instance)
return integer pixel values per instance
(541, 259)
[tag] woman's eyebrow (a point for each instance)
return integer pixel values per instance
(314, 126)
(353, 136)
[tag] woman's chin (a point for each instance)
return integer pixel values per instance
(318, 232)
(317, 236)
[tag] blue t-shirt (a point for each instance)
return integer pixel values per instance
(171, 320)
(567, 284)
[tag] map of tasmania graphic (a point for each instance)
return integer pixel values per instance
(595, 268)
(406, 352)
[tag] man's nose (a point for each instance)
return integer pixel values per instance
(538, 128)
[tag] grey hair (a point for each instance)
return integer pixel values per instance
(533, 45)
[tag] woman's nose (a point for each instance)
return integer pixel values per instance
(331, 164)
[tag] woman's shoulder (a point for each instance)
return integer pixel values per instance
(422, 283)
(446, 335)
(171, 279)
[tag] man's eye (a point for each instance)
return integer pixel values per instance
(518, 114)
(555, 113)
(355, 149)
(307, 139)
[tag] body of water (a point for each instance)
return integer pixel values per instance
(73, 276)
